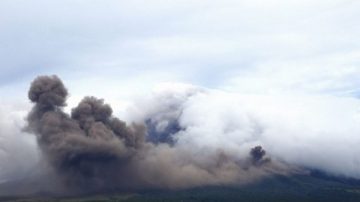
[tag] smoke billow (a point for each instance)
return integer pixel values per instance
(86, 148)
(258, 156)
(93, 150)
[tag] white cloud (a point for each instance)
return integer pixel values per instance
(337, 74)
(319, 132)
(18, 150)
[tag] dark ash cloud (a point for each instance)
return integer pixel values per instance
(93, 150)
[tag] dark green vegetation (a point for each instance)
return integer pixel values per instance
(313, 188)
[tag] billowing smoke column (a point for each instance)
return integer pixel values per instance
(85, 146)
(92, 150)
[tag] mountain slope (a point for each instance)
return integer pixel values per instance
(314, 187)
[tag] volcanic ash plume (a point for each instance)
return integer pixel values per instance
(93, 150)
(85, 146)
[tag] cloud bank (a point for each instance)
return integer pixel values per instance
(93, 150)
(184, 136)
(313, 131)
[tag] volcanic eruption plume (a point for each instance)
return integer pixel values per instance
(92, 150)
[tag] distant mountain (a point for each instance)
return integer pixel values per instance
(313, 187)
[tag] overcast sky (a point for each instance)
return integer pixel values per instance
(252, 46)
